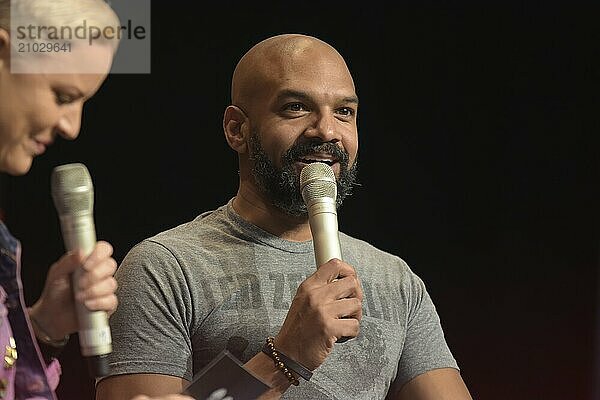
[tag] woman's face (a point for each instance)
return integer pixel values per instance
(35, 108)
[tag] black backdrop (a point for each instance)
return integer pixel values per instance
(478, 164)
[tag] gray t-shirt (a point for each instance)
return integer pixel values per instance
(219, 282)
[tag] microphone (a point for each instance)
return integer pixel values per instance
(73, 195)
(319, 191)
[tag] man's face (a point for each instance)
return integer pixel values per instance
(308, 113)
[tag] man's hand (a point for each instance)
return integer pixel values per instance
(55, 311)
(327, 307)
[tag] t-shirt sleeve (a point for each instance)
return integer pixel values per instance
(425, 347)
(150, 328)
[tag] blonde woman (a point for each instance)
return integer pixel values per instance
(35, 109)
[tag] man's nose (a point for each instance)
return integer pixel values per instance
(324, 128)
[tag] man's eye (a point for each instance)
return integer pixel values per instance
(295, 107)
(346, 111)
(62, 98)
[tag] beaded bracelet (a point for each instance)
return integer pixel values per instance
(286, 364)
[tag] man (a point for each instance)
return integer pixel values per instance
(225, 279)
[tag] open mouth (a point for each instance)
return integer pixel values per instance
(328, 161)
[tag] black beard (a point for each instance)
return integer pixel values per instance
(283, 185)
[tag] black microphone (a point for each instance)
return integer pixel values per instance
(73, 195)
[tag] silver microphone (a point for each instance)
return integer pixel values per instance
(319, 191)
(73, 195)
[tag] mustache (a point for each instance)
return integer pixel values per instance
(300, 150)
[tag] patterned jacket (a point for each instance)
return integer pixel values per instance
(24, 374)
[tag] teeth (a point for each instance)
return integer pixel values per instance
(318, 160)
(310, 160)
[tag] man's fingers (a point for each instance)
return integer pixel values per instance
(346, 327)
(348, 308)
(332, 270)
(348, 286)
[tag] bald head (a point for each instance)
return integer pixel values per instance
(272, 60)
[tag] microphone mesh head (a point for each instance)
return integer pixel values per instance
(317, 180)
(72, 189)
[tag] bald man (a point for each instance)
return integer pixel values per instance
(243, 275)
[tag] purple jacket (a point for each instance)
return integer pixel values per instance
(23, 374)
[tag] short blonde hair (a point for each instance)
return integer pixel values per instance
(61, 13)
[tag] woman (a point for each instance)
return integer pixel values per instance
(35, 108)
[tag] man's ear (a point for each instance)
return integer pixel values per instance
(4, 49)
(236, 128)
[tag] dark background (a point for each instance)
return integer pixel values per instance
(478, 162)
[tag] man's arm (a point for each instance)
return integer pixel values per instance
(124, 387)
(437, 384)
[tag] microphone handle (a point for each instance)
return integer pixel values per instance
(324, 228)
(322, 218)
(95, 340)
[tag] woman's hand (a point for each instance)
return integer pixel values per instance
(54, 312)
